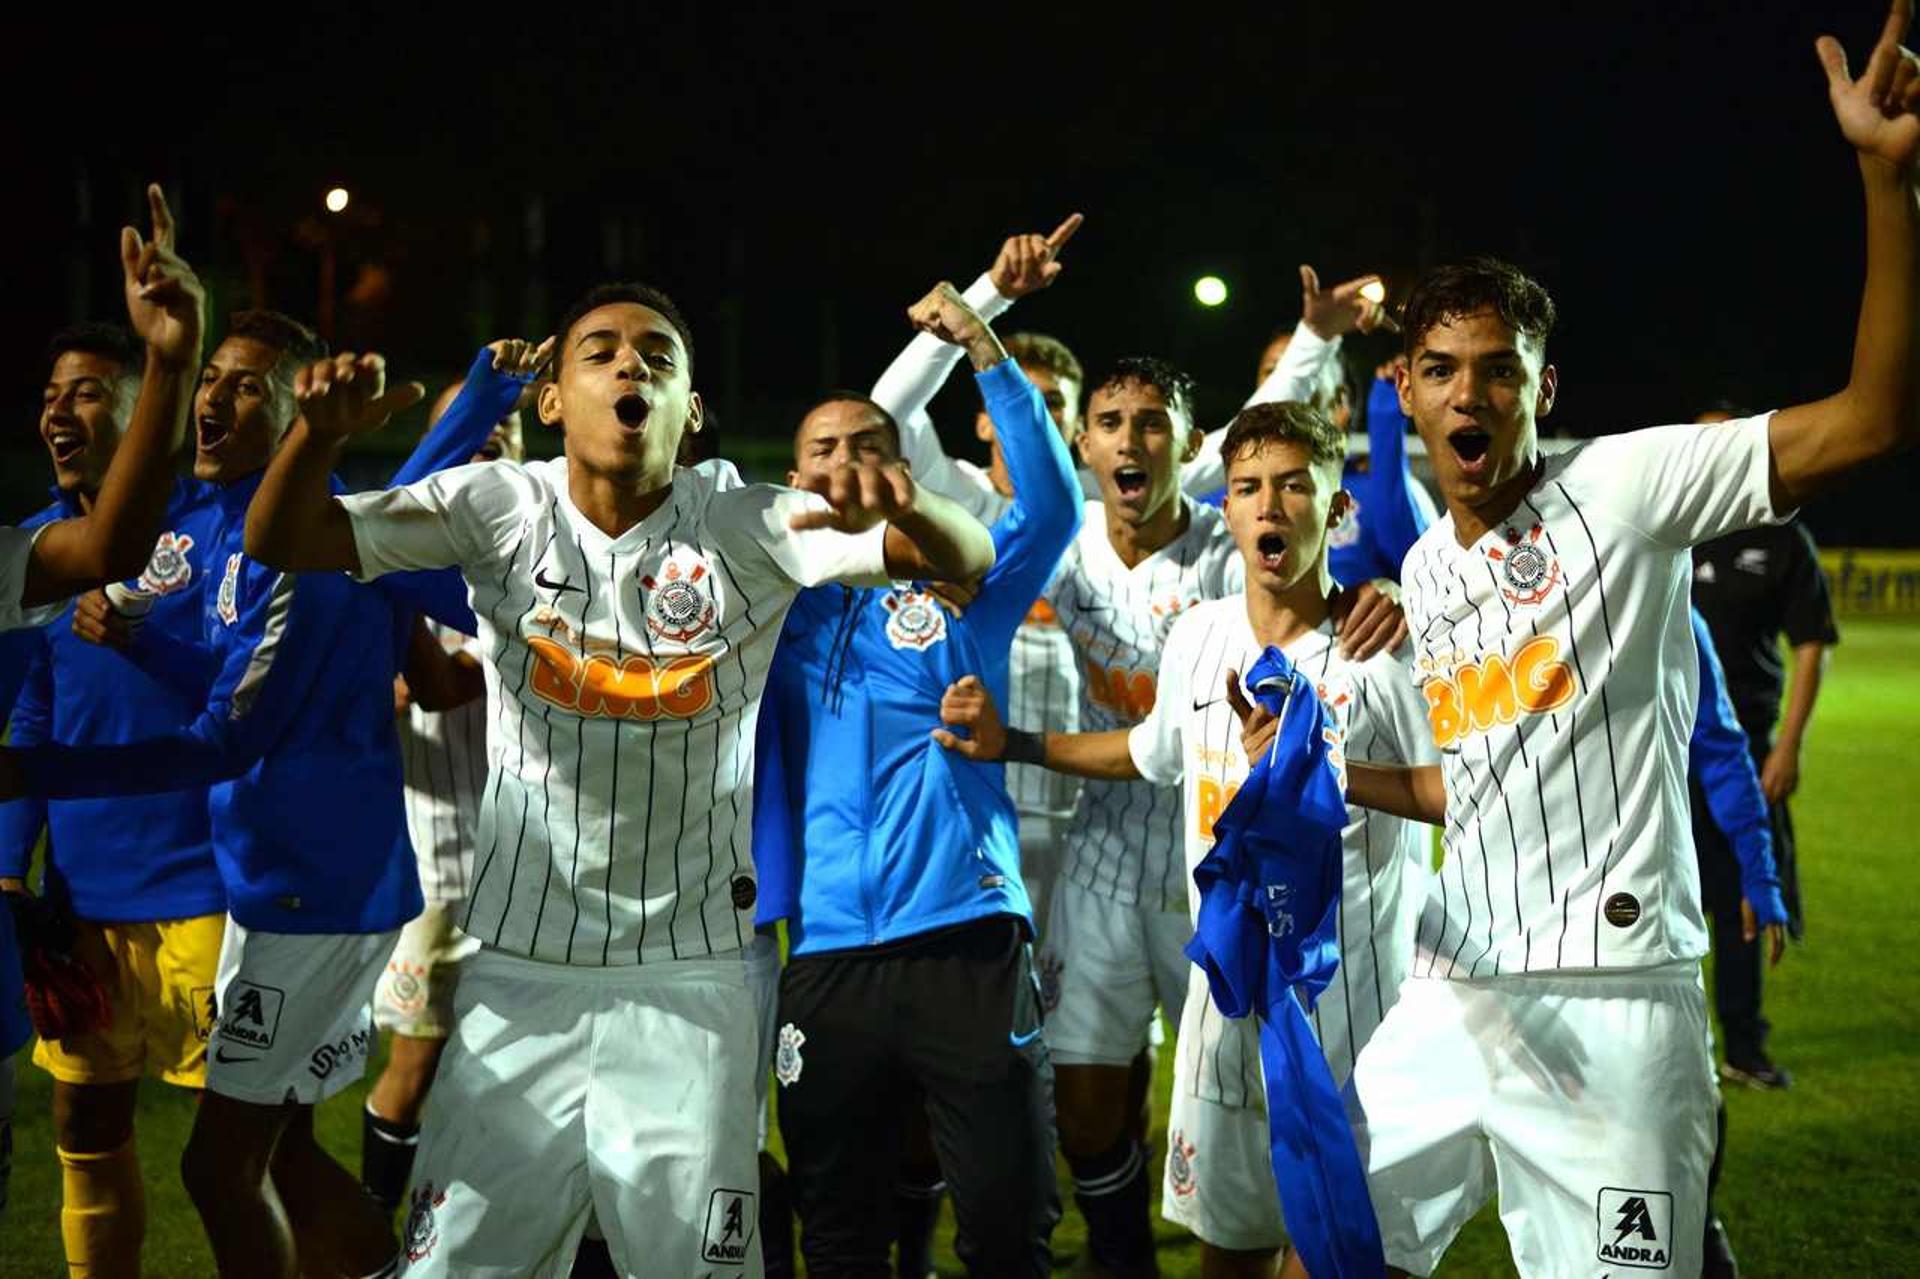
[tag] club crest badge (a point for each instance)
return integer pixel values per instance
(1180, 1164)
(1051, 968)
(422, 1232)
(679, 606)
(786, 1055)
(1527, 572)
(915, 619)
(168, 570)
(227, 602)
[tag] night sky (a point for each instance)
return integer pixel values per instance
(796, 177)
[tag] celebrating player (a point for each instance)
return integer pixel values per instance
(1549, 607)
(939, 927)
(603, 1052)
(1283, 500)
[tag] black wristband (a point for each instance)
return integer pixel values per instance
(1024, 748)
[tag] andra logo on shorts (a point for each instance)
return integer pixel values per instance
(252, 1014)
(730, 1223)
(1636, 1228)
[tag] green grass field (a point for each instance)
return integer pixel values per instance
(1820, 1181)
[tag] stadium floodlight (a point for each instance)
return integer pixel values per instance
(337, 200)
(1210, 290)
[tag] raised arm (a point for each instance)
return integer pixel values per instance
(1878, 412)
(927, 537)
(968, 706)
(167, 309)
(1026, 264)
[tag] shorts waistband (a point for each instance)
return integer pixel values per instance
(726, 968)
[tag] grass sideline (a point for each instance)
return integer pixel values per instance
(1818, 1180)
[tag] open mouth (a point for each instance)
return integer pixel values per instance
(210, 433)
(1470, 445)
(1272, 550)
(66, 446)
(631, 410)
(1131, 481)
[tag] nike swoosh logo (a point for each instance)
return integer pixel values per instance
(1021, 1041)
(540, 580)
(1200, 706)
(220, 1055)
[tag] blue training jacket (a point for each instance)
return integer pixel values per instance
(890, 834)
(1722, 764)
(296, 738)
(138, 857)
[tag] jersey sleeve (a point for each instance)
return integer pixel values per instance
(1680, 485)
(1394, 519)
(752, 523)
(22, 820)
(465, 516)
(283, 635)
(1156, 742)
(1807, 617)
(1722, 764)
(485, 397)
(1037, 528)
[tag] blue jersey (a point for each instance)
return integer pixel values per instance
(138, 857)
(1723, 765)
(1389, 511)
(895, 836)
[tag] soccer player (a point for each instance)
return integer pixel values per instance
(1283, 502)
(1552, 1037)
(1753, 587)
(602, 1057)
(317, 885)
(936, 926)
(136, 875)
(113, 535)
(443, 741)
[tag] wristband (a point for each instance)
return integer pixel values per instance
(1024, 748)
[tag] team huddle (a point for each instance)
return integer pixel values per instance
(535, 764)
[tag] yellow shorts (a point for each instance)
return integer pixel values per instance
(159, 979)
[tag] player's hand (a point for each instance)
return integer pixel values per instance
(946, 315)
(97, 622)
(347, 395)
(1343, 308)
(968, 705)
(1257, 723)
(166, 304)
(1750, 931)
(1780, 773)
(517, 357)
(858, 497)
(1368, 619)
(1029, 263)
(1879, 113)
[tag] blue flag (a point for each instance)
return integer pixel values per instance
(1268, 940)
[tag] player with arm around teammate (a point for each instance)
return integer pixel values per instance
(602, 1058)
(1550, 618)
(1283, 498)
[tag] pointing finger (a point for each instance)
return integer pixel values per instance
(399, 399)
(1064, 232)
(1236, 698)
(1833, 58)
(131, 247)
(1309, 280)
(162, 216)
(541, 354)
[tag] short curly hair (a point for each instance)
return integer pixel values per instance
(1478, 284)
(1175, 385)
(1258, 425)
(625, 291)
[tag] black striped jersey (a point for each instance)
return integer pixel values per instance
(1125, 839)
(1558, 668)
(1192, 740)
(443, 758)
(624, 678)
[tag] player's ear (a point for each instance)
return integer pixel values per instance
(1191, 449)
(548, 404)
(1339, 509)
(1549, 387)
(696, 413)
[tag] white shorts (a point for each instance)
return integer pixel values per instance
(1104, 967)
(293, 1021)
(1043, 841)
(415, 994)
(1219, 1176)
(763, 979)
(1587, 1100)
(624, 1094)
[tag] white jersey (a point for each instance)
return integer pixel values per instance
(1193, 739)
(1558, 669)
(443, 757)
(1125, 838)
(623, 688)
